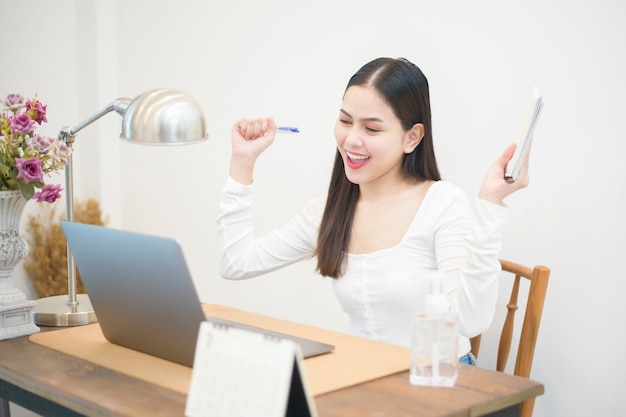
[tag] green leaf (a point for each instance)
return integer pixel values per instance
(27, 190)
(13, 184)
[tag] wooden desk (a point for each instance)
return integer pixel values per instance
(52, 383)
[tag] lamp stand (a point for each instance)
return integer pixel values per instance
(73, 309)
(55, 311)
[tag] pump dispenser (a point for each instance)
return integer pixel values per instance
(434, 341)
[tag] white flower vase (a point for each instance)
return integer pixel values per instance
(15, 310)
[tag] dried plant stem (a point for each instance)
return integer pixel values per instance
(46, 263)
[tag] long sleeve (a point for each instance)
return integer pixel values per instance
(244, 256)
(473, 289)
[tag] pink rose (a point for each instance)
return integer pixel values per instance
(22, 123)
(36, 111)
(29, 169)
(49, 193)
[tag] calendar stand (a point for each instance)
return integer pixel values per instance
(246, 374)
(300, 403)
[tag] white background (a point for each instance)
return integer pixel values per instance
(292, 59)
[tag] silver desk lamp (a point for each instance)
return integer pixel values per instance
(157, 117)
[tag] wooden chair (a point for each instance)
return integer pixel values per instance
(538, 277)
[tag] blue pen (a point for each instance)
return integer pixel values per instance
(288, 129)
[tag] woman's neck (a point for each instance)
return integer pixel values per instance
(386, 190)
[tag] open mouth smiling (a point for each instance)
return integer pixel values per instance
(356, 160)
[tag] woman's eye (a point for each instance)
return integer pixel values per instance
(372, 130)
(344, 122)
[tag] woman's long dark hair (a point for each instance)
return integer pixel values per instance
(405, 89)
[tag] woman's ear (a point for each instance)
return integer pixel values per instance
(413, 137)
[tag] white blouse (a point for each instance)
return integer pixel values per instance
(381, 291)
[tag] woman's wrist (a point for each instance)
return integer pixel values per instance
(490, 196)
(241, 170)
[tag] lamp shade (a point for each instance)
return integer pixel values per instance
(162, 117)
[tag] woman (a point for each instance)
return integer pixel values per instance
(388, 221)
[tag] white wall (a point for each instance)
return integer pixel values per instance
(292, 60)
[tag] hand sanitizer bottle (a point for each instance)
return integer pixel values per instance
(434, 342)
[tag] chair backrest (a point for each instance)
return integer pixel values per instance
(538, 277)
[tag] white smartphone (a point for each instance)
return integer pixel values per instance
(525, 134)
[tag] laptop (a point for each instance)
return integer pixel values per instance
(143, 294)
